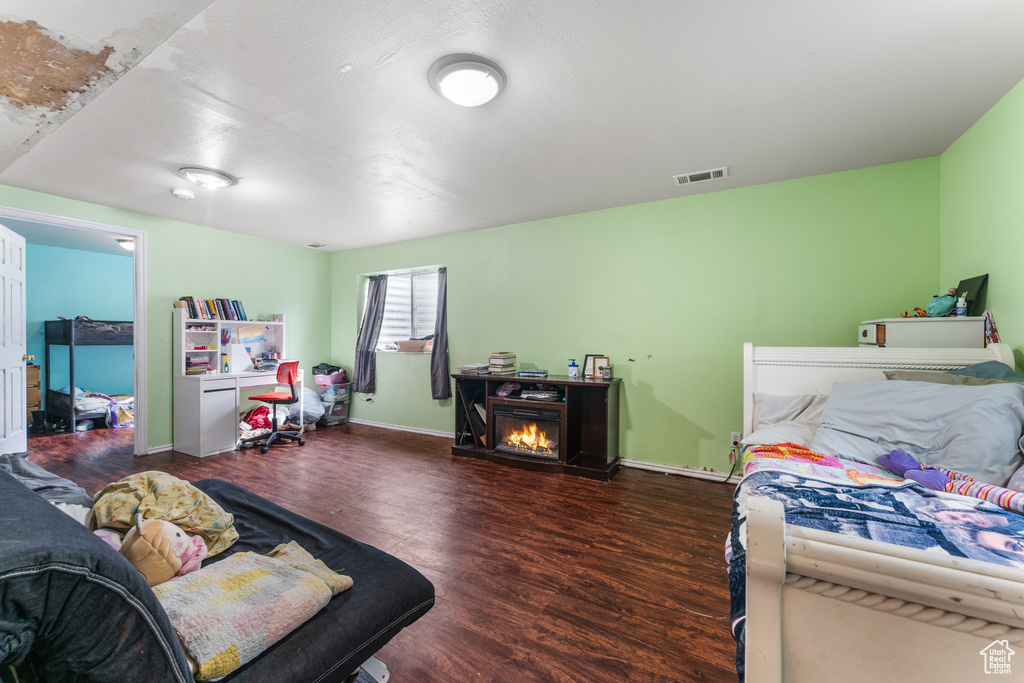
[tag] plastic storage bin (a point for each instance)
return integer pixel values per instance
(334, 413)
(334, 393)
(327, 380)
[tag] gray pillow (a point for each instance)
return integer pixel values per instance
(975, 430)
(782, 419)
(990, 369)
(939, 378)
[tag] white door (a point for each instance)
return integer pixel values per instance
(13, 410)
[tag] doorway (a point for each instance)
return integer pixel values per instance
(54, 236)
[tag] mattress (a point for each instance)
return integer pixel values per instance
(91, 405)
(386, 596)
(828, 493)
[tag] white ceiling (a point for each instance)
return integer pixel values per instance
(323, 111)
(66, 238)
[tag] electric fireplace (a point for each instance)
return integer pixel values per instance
(529, 431)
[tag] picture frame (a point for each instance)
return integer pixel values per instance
(600, 362)
(588, 364)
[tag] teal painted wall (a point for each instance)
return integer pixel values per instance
(677, 285)
(982, 212)
(185, 259)
(68, 283)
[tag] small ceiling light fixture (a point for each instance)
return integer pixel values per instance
(469, 80)
(126, 243)
(207, 177)
(183, 194)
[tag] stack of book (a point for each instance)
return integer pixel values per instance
(535, 373)
(212, 309)
(503, 363)
(473, 369)
(198, 364)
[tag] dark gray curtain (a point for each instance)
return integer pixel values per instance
(440, 381)
(364, 373)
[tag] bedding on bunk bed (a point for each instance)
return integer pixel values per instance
(116, 410)
(839, 495)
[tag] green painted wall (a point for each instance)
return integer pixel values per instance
(982, 212)
(677, 285)
(185, 259)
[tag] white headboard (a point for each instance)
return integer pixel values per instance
(794, 370)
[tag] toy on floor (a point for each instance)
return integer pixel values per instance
(160, 550)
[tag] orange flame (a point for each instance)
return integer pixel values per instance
(530, 438)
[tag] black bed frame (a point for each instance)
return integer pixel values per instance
(72, 333)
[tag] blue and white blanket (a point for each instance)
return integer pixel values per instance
(908, 515)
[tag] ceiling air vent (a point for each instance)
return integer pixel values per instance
(316, 245)
(700, 176)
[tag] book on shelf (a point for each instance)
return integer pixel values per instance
(504, 373)
(532, 373)
(186, 303)
(211, 309)
(502, 354)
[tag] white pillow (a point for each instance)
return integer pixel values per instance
(782, 419)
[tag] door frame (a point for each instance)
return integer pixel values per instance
(139, 310)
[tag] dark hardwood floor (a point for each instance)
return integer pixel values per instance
(539, 577)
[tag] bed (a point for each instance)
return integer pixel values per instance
(840, 570)
(90, 405)
(73, 609)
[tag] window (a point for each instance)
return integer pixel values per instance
(410, 308)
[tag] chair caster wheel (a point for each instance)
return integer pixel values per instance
(264, 449)
(301, 442)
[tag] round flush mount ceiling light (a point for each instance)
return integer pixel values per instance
(469, 80)
(126, 243)
(207, 177)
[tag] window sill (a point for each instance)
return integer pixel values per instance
(405, 353)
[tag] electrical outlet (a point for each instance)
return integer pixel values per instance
(734, 439)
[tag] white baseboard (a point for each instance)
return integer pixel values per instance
(402, 428)
(695, 472)
(160, 449)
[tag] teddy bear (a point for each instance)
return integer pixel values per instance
(160, 550)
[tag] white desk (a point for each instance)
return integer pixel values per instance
(206, 409)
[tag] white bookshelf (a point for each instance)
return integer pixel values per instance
(204, 339)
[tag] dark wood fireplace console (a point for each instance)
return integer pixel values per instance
(589, 433)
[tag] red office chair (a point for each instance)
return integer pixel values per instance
(287, 374)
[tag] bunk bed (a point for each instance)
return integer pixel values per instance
(72, 334)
